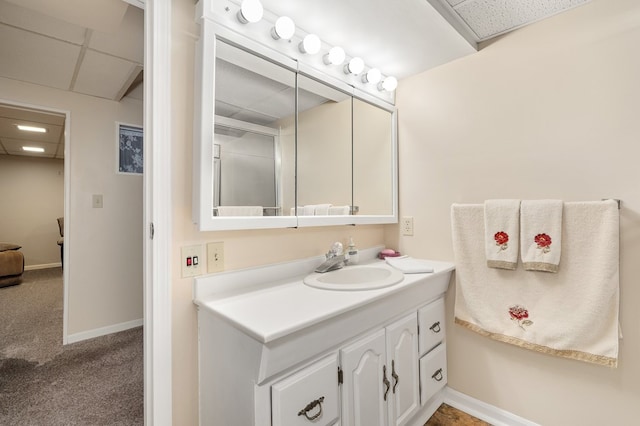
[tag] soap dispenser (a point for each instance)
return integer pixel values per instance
(352, 251)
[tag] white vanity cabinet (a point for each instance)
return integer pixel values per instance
(276, 352)
(380, 376)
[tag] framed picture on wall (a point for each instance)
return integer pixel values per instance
(130, 148)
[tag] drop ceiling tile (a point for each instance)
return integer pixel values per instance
(9, 129)
(40, 23)
(127, 42)
(103, 75)
(488, 18)
(14, 147)
(36, 59)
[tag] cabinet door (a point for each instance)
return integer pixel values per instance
(364, 382)
(402, 360)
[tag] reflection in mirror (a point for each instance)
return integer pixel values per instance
(373, 153)
(254, 153)
(324, 149)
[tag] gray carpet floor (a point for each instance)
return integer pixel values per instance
(93, 382)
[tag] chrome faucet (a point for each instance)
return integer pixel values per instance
(335, 259)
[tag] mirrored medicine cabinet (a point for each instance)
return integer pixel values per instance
(280, 145)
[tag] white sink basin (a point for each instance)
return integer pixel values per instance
(352, 278)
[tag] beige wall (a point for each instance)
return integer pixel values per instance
(105, 259)
(31, 198)
(242, 248)
(549, 111)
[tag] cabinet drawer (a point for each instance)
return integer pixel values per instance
(431, 322)
(433, 373)
(308, 397)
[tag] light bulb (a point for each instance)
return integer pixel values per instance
(389, 84)
(372, 76)
(284, 28)
(335, 56)
(355, 66)
(310, 44)
(250, 11)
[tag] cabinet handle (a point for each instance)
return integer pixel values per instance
(435, 327)
(385, 381)
(394, 375)
(438, 375)
(310, 406)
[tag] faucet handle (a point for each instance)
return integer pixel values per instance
(337, 248)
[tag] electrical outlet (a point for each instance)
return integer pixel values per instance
(192, 261)
(406, 224)
(215, 256)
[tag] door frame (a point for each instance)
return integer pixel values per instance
(157, 214)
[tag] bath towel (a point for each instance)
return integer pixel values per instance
(541, 234)
(307, 210)
(502, 233)
(339, 210)
(322, 209)
(240, 211)
(571, 314)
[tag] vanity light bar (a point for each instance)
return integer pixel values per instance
(252, 11)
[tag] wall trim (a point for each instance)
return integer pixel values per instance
(487, 412)
(103, 331)
(42, 266)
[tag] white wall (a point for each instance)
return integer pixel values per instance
(549, 111)
(105, 258)
(31, 199)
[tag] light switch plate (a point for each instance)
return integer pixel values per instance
(96, 201)
(215, 256)
(192, 261)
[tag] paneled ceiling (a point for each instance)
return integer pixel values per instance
(96, 47)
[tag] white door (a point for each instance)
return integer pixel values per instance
(402, 361)
(365, 380)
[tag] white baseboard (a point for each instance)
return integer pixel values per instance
(102, 331)
(42, 266)
(494, 415)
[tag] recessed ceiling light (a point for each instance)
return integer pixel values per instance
(31, 129)
(32, 149)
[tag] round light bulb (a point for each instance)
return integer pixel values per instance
(389, 84)
(355, 66)
(310, 44)
(372, 76)
(250, 11)
(335, 56)
(284, 28)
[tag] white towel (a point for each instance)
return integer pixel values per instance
(572, 314)
(541, 234)
(339, 210)
(308, 210)
(322, 209)
(240, 211)
(410, 265)
(502, 233)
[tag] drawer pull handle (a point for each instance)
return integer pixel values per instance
(385, 381)
(394, 375)
(438, 375)
(435, 327)
(310, 406)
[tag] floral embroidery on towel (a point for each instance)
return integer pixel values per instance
(520, 314)
(502, 238)
(543, 241)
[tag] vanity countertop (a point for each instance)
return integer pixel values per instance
(269, 309)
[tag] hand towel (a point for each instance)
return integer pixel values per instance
(339, 210)
(541, 234)
(502, 233)
(322, 209)
(409, 265)
(240, 211)
(571, 314)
